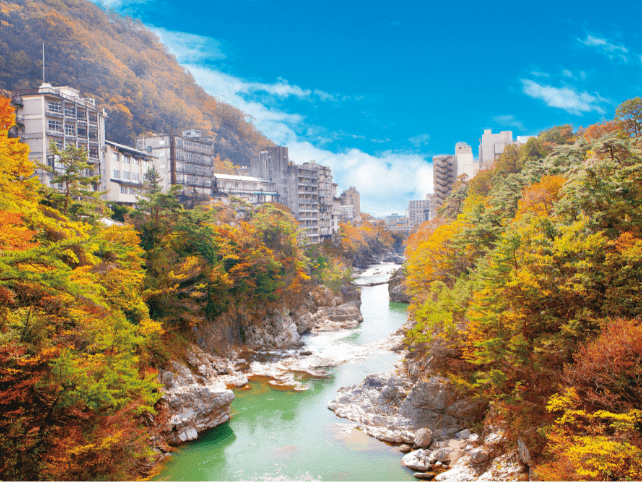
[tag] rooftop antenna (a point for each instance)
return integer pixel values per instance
(43, 62)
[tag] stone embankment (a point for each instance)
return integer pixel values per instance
(197, 395)
(431, 421)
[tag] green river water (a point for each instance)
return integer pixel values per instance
(288, 435)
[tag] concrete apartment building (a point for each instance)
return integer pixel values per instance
(186, 160)
(306, 189)
(351, 197)
(124, 173)
(327, 193)
(444, 169)
(464, 160)
(273, 164)
(251, 189)
(59, 115)
(418, 211)
(306, 209)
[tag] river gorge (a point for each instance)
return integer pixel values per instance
(286, 434)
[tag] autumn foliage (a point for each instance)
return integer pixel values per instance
(526, 294)
(89, 312)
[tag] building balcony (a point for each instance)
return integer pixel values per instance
(55, 133)
(53, 113)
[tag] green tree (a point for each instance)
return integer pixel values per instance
(78, 195)
(629, 114)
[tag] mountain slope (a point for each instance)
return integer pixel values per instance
(122, 64)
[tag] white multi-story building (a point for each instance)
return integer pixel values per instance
(418, 211)
(59, 115)
(464, 160)
(124, 176)
(251, 189)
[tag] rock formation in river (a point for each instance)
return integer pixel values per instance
(196, 397)
(397, 287)
(432, 417)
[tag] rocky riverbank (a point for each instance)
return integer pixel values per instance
(431, 421)
(197, 392)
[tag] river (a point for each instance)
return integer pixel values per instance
(288, 435)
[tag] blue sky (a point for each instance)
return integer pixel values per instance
(375, 89)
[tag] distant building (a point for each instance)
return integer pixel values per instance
(124, 173)
(306, 189)
(464, 160)
(251, 189)
(353, 198)
(393, 218)
(59, 115)
(347, 213)
(418, 211)
(272, 164)
(186, 160)
(327, 193)
(444, 168)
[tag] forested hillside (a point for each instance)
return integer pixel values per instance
(122, 64)
(526, 293)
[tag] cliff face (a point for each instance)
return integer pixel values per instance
(282, 326)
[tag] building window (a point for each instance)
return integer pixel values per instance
(123, 189)
(126, 159)
(59, 144)
(70, 130)
(116, 174)
(55, 126)
(136, 161)
(55, 107)
(136, 176)
(114, 156)
(149, 149)
(69, 112)
(126, 175)
(132, 190)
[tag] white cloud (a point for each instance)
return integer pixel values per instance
(118, 4)
(605, 47)
(538, 73)
(509, 120)
(566, 98)
(189, 47)
(386, 180)
(421, 140)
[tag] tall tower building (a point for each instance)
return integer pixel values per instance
(272, 164)
(351, 197)
(444, 169)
